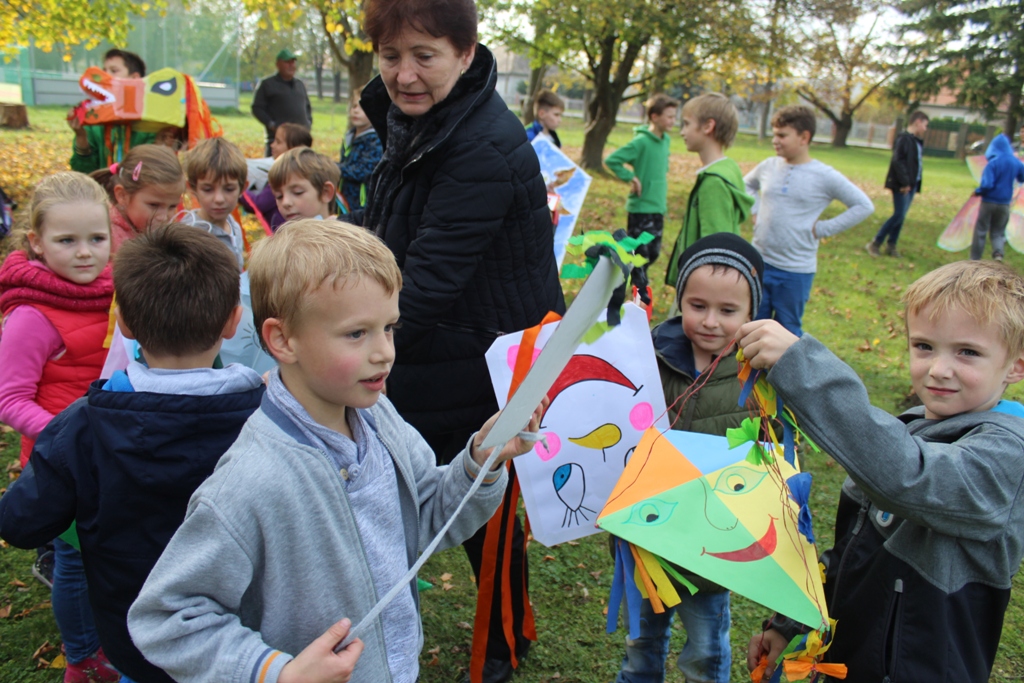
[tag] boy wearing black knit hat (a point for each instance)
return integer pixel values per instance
(718, 290)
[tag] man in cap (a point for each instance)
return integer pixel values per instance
(282, 98)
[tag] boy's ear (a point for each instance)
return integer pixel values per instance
(277, 340)
(231, 326)
(805, 137)
(125, 330)
(327, 194)
(709, 127)
(1016, 371)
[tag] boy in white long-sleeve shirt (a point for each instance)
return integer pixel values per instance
(792, 190)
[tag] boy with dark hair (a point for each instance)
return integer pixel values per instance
(718, 290)
(123, 64)
(904, 180)
(123, 461)
(792, 190)
(215, 173)
(718, 201)
(930, 526)
(547, 116)
(647, 153)
(327, 496)
(996, 190)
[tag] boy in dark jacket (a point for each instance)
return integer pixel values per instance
(124, 460)
(930, 525)
(996, 191)
(719, 289)
(360, 152)
(904, 180)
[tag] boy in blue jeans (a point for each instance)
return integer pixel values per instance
(123, 461)
(996, 191)
(930, 526)
(719, 287)
(791, 191)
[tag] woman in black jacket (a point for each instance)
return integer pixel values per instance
(459, 199)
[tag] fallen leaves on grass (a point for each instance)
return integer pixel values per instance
(17, 584)
(446, 577)
(464, 625)
(5, 612)
(43, 649)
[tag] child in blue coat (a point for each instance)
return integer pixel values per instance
(996, 190)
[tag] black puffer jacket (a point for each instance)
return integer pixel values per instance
(471, 230)
(905, 163)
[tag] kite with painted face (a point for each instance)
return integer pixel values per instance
(601, 404)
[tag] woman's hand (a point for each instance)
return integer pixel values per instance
(516, 446)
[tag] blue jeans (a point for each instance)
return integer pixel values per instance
(706, 656)
(70, 599)
(891, 228)
(785, 295)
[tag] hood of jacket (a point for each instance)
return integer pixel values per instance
(999, 146)
(730, 172)
(673, 347)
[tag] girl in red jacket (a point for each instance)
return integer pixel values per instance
(54, 298)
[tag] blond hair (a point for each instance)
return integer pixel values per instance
(143, 166)
(67, 187)
(307, 254)
(218, 157)
(986, 290)
(303, 162)
(713, 106)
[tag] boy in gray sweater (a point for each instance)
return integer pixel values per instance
(930, 526)
(326, 498)
(792, 190)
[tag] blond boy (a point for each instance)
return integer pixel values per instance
(930, 525)
(718, 201)
(547, 116)
(325, 500)
(216, 172)
(304, 183)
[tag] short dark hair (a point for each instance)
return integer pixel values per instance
(176, 287)
(917, 116)
(132, 61)
(545, 99)
(455, 20)
(798, 117)
(658, 103)
(296, 135)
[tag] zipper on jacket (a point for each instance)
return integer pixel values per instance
(456, 327)
(892, 631)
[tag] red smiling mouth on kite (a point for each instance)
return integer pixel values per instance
(755, 551)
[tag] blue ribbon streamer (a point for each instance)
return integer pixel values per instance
(800, 491)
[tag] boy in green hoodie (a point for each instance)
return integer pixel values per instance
(647, 153)
(718, 201)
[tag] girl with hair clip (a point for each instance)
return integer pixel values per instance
(144, 190)
(54, 297)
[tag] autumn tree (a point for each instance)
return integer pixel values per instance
(50, 23)
(845, 60)
(975, 49)
(340, 22)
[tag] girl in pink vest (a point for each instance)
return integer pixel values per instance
(144, 190)
(54, 298)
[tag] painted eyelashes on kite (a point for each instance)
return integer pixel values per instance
(571, 486)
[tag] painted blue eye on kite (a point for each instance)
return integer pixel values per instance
(738, 479)
(651, 512)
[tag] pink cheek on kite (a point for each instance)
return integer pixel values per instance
(551, 450)
(513, 354)
(642, 416)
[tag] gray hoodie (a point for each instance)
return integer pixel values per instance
(269, 555)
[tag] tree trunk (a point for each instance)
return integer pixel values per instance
(535, 84)
(1011, 114)
(601, 124)
(360, 69)
(337, 84)
(843, 127)
(318, 69)
(766, 109)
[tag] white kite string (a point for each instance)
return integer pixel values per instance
(403, 583)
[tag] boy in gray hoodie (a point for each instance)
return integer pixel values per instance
(326, 498)
(930, 525)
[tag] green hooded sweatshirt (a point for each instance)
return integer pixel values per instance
(648, 155)
(97, 157)
(718, 203)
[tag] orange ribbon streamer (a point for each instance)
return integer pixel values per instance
(799, 669)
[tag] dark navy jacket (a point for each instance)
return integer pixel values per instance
(123, 466)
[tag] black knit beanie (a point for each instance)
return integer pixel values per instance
(723, 249)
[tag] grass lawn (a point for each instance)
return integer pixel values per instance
(854, 309)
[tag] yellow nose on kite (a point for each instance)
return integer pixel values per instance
(605, 436)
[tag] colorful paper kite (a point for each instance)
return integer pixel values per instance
(958, 234)
(693, 500)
